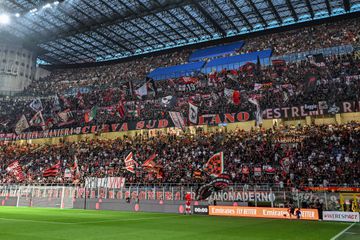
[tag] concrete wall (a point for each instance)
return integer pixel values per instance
(17, 68)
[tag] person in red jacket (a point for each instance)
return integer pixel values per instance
(188, 203)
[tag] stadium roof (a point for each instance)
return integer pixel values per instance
(79, 31)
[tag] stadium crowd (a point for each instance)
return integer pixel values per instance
(305, 39)
(288, 157)
(111, 94)
(335, 79)
(300, 40)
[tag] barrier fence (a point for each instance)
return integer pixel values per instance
(257, 196)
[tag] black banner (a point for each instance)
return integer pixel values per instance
(201, 210)
(317, 109)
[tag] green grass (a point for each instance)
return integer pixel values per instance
(45, 224)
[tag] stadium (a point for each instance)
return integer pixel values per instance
(180, 119)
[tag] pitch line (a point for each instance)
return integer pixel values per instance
(126, 220)
(74, 223)
(34, 221)
(342, 232)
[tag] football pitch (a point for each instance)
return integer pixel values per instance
(45, 224)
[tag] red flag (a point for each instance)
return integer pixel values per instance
(188, 80)
(215, 165)
(52, 171)
(130, 163)
(16, 169)
(120, 108)
(236, 97)
(150, 164)
(80, 99)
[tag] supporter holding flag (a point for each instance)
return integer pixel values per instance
(178, 120)
(151, 85)
(80, 99)
(52, 171)
(91, 115)
(215, 165)
(233, 96)
(168, 101)
(150, 164)
(37, 121)
(36, 105)
(66, 117)
(21, 125)
(16, 170)
(120, 109)
(130, 163)
(142, 91)
(193, 113)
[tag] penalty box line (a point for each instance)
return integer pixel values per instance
(342, 232)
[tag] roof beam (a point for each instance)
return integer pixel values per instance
(124, 29)
(292, 10)
(81, 23)
(328, 7)
(165, 23)
(259, 16)
(274, 11)
(195, 21)
(100, 33)
(347, 5)
(241, 14)
(68, 40)
(149, 23)
(177, 19)
(135, 25)
(209, 19)
(308, 5)
(64, 39)
(224, 14)
(114, 19)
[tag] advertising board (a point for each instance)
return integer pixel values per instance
(260, 212)
(337, 216)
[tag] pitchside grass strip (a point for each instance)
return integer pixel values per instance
(39, 224)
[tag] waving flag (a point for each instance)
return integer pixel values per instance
(80, 99)
(188, 80)
(52, 171)
(151, 85)
(142, 91)
(150, 164)
(89, 116)
(37, 120)
(21, 125)
(193, 113)
(215, 165)
(66, 117)
(130, 163)
(120, 108)
(233, 96)
(36, 105)
(177, 119)
(168, 101)
(258, 113)
(16, 169)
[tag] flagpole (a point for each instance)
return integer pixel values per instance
(85, 198)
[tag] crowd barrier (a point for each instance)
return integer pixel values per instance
(236, 200)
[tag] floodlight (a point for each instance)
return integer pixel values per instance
(56, 2)
(17, 15)
(47, 6)
(4, 19)
(33, 10)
